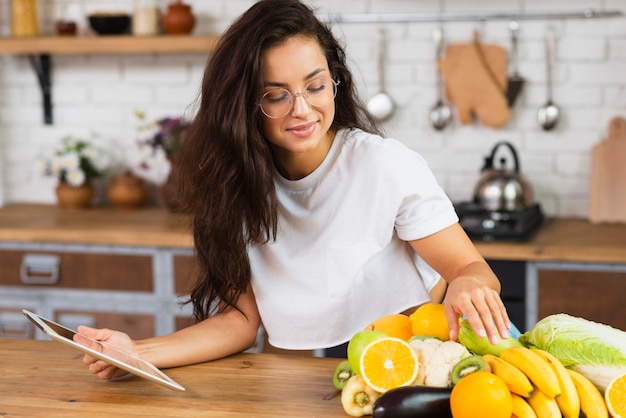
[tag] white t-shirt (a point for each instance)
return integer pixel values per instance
(340, 258)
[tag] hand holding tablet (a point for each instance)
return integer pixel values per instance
(102, 351)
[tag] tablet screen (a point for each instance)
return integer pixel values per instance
(102, 351)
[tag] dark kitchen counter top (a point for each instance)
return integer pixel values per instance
(559, 239)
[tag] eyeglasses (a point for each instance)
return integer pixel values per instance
(277, 103)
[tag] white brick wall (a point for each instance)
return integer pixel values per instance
(96, 95)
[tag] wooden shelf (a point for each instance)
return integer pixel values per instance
(108, 44)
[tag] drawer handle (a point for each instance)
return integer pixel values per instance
(39, 269)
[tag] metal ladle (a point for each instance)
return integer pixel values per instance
(381, 105)
(440, 113)
(548, 114)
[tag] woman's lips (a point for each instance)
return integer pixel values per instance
(302, 131)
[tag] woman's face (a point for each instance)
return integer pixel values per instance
(301, 138)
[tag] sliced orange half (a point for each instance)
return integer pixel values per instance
(615, 396)
(389, 363)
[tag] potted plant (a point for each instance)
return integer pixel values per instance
(75, 163)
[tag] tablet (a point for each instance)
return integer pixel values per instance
(103, 351)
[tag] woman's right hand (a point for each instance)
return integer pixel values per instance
(117, 339)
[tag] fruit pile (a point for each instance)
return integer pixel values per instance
(406, 366)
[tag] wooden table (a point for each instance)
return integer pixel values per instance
(45, 378)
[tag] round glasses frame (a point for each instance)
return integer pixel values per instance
(282, 97)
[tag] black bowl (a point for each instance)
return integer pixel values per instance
(110, 24)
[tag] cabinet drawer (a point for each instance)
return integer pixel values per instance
(137, 326)
(184, 269)
(594, 295)
(79, 270)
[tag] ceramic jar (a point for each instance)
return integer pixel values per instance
(74, 197)
(179, 19)
(24, 18)
(126, 191)
(146, 18)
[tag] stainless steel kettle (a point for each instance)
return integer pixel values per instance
(502, 189)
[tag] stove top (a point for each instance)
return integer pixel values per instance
(502, 225)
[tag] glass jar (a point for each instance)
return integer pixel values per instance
(146, 18)
(24, 18)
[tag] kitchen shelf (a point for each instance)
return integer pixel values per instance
(108, 44)
(40, 48)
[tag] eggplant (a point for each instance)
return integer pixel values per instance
(414, 401)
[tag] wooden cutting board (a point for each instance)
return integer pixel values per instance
(607, 194)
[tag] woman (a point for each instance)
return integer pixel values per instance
(305, 218)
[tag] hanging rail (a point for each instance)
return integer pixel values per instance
(468, 16)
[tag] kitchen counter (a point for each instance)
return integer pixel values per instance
(558, 240)
(149, 226)
(45, 378)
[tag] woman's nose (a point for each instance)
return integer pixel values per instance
(300, 105)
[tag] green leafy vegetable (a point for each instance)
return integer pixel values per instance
(596, 350)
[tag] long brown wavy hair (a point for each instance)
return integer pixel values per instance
(227, 175)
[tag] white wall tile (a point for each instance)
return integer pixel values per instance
(97, 94)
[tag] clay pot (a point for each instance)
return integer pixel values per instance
(178, 20)
(126, 191)
(74, 197)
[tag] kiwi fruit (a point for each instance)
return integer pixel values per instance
(342, 374)
(466, 366)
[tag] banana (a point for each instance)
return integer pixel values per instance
(535, 368)
(515, 379)
(543, 405)
(591, 401)
(569, 401)
(521, 408)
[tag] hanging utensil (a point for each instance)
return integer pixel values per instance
(548, 114)
(515, 81)
(381, 105)
(440, 113)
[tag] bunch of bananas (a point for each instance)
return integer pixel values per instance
(542, 387)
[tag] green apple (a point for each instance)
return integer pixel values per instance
(482, 345)
(356, 345)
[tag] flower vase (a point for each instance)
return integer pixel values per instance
(126, 191)
(169, 189)
(179, 19)
(74, 197)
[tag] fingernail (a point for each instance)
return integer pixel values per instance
(494, 340)
(481, 333)
(504, 335)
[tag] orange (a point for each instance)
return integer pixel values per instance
(389, 363)
(394, 325)
(481, 395)
(430, 319)
(615, 396)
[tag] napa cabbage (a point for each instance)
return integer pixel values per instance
(596, 350)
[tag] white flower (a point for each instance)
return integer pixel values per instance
(70, 161)
(75, 177)
(75, 162)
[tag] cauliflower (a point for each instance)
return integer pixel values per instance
(437, 358)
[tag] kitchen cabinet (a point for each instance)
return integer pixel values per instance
(592, 291)
(126, 288)
(142, 262)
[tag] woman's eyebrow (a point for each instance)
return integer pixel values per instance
(308, 76)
